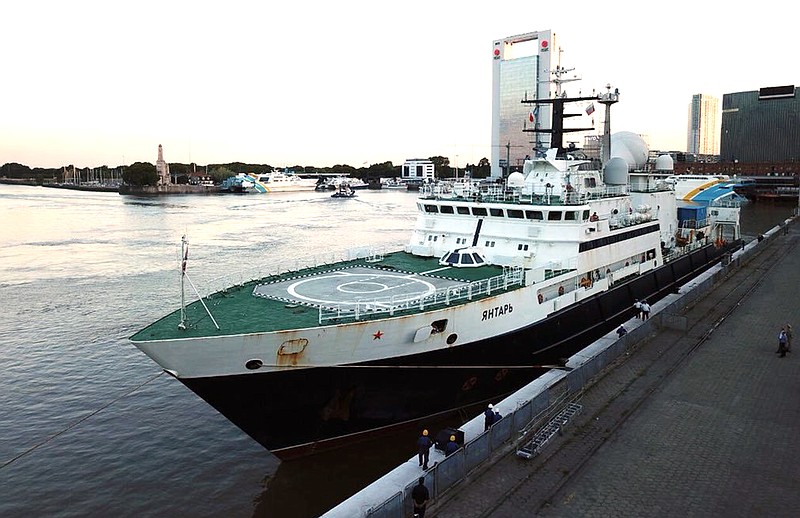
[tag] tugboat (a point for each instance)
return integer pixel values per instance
(490, 280)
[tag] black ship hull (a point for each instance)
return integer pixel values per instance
(294, 413)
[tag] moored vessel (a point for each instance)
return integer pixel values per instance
(275, 181)
(492, 280)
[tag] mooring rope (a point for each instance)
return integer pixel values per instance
(79, 421)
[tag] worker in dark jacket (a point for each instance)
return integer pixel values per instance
(420, 496)
(496, 416)
(488, 417)
(424, 444)
(452, 446)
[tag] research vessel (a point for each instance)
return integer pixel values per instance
(492, 281)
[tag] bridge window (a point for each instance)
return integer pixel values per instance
(446, 209)
(570, 216)
(514, 213)
(554, 215)
(496, 212)
(431, 209)
(534, 214)
(478, 211)
(463, 210)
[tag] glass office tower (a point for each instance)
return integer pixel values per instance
(521, 69)
(761, 126)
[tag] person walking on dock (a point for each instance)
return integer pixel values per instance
(424, 444)
(638, 307)
(621, 331)
(488, 417)
(420, 496)
(782, 340)
(645, 310)
(789, 335)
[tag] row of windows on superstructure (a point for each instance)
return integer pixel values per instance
(488, 244)
(608, 240)
(538, 215)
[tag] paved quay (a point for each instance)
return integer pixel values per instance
(702, 419)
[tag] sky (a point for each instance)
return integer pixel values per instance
(321, 83)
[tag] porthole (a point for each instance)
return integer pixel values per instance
(451, 339)
(254, 364)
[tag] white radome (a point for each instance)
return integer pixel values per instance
(615, 171)
(516, 179)
(664, 163)
(630, 147)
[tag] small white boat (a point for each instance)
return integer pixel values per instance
(344, 192)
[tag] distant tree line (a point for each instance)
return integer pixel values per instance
(23, 172)
(144, 173)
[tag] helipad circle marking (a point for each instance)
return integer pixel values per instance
(344, 287)
(403, 280)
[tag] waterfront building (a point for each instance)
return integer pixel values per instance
(521, 69)
(703, 132)
(418, 170)
(761, 126)
(162, 168)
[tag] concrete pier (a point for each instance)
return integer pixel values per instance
(700, 417)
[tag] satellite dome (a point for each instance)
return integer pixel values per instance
(516, 179)
(615, 171)
(664, 163)
(630, 147)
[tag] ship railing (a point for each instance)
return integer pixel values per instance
(501, 194)
(679, 251)
(730, 202)
(273, 270)
(694, 224)
(511, 277)
(553, 269)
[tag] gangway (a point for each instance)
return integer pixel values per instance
(544, 434)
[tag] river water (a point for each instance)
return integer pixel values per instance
(89, 425)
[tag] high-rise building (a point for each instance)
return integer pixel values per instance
(761, 125)
(521, 70)
(703, 134)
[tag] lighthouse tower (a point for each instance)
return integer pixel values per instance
(162, 168)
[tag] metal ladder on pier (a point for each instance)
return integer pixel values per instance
(544, 434)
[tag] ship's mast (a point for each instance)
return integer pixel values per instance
(184, 258)
(607, 99)
(560, 100)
